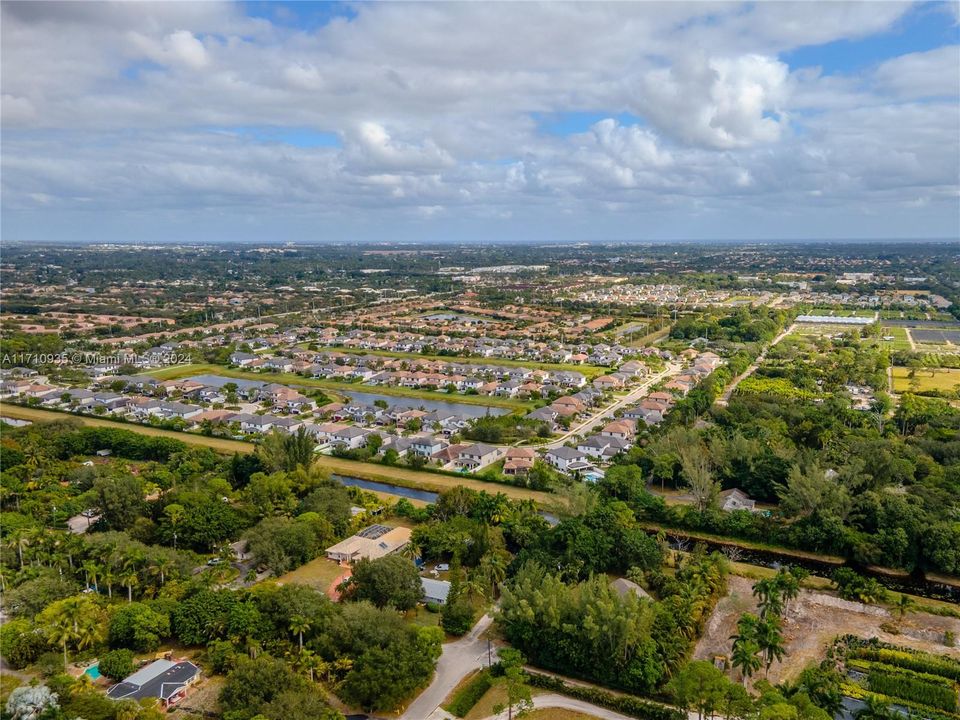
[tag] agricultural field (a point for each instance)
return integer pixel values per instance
(900, 341)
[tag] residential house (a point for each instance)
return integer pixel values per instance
(562, 457)
(622, 429)
(736, 499)
(518, 461)
(426, 444)
(473, 457)
(242, 359)
(435, 591)
(166, 680)
(350, 437)
(374, 541)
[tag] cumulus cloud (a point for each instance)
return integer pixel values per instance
(716, 102)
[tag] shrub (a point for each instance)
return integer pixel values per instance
(903, 685)
(916, 661)
(470, 694)
(117, 664)
(626, 704)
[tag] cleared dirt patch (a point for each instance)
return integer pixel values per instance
(812, 621)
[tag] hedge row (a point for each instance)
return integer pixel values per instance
(858, 692)
(916, 661)
(868, 666)
(900, 685)
(626, 704)
(470, 694)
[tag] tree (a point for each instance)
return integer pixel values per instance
(699, 685)
(374, 443)
(285, 452)
(695, 464)
(30, 702)
(138, 627)
(120, 499)
(518, 692)
(746, 651)
(391, 580)
(117, 664)
(904, 604)
(386, 674)
(174, 515)
(298, 626)
(769, 638)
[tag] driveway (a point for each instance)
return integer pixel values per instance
(458, 658)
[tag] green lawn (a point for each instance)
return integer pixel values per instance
(589, 371)
(319, 574)
(900, 340)
(179, 371)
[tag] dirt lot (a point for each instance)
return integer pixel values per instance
(202, 698)
(811, 623)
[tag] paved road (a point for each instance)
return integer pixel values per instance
(604, 414)
(458, 658)
(725, 397)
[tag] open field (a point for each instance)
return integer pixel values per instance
(812, 621)
(900, 339)
(944, 379)
(320, 574)
(180, 371)
(843, 313)
(590, 371)
(368, 471)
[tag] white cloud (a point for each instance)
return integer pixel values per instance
(935, 73)
(716, 102)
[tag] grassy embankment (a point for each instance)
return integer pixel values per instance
(589, 371)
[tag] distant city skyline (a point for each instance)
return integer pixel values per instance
(262, 122)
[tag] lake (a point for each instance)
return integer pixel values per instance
(470, 411)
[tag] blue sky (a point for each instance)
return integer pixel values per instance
(475, 121)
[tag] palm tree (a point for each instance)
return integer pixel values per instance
(109, 578)
(746, 650)
(876, 709)
(175, 514)
(298, 626)
(904, 604)
(129, 579)
(161, 566)
(770, 640)
(493, 569)
(91, 572)
(61, 633)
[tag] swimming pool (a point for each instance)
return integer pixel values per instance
(93, 671)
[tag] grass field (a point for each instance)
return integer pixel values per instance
(179, 371)
(900, 340)
(843, 313)
(403, 477)
(590, 371)
(935, 379)
(319, 573)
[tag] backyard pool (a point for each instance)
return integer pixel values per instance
(93, 671)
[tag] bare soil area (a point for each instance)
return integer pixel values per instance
(811, 623)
